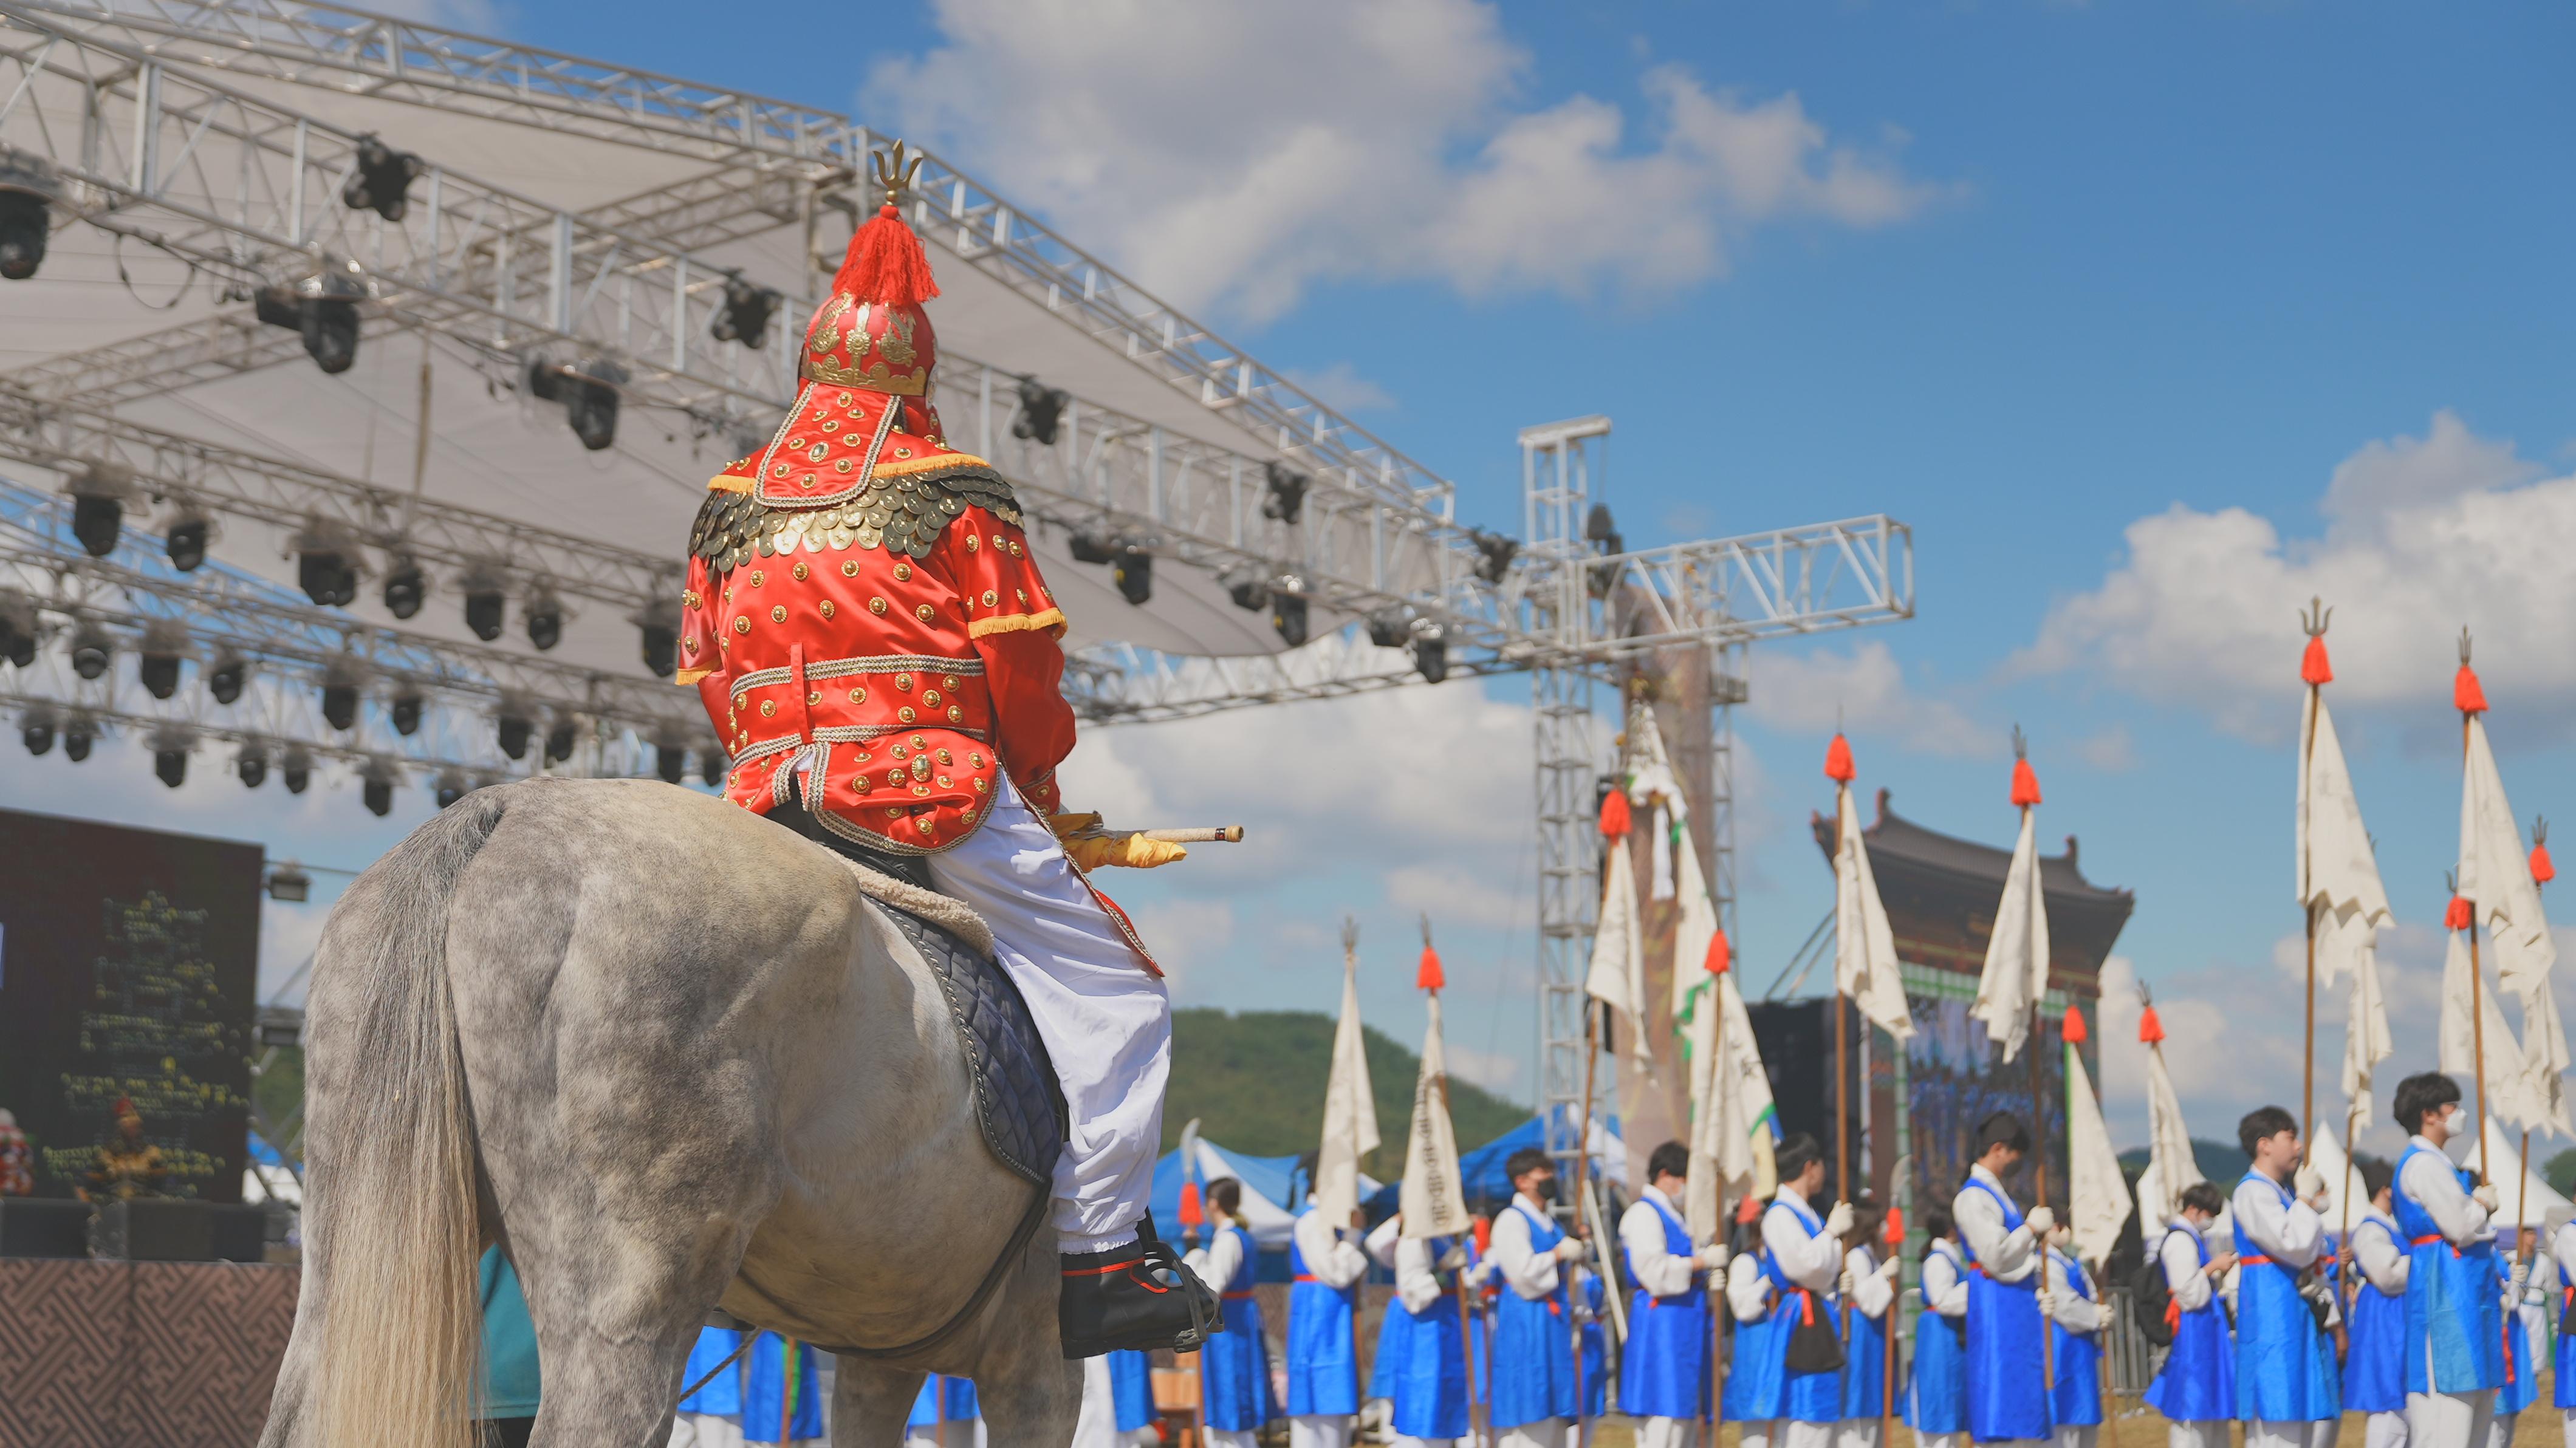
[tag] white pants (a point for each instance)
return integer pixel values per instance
(1545, 1433)
(1106, 1020)
(2260, 1434)
(1789, 1433)
(1403, 1442)
(706, 1430)
(2388, 1430)
(2500, 1430)
(1232, 1438)
(1668, 1433)
(1940, 1440)
(2076, 1435)
(2567, 1416)
(1320, 1430)
(1856, 1433)
(2206, 1433)
(2443, 1420)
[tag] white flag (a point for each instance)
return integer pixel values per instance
(1617, 978)
(2016, 970)
(1651, 778)
(2170, 1167)
(2510, 1097)
(2495, 874)
(2338, 872)
(1865, 967)
(2366, 1037)
(1731, 1109)
(1350, 1109)
(2544, 1063)
(1434, 1197)
(2098, 1195)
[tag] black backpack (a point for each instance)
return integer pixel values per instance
(2150, 1299)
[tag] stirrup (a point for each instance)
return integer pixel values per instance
(1164, 1269)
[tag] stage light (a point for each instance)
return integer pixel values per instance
(1389, 628)
(96, 522)
(451, 787)
(1089, 547)
(224, 681)
(340, 685)
(18, 631)
(514, 727)
(559, 741)
(289, 885)
(1133, 571)
(1288, 608)
(1431, 650)
(26, 220)
(92, 652)
(1248, 584)
(1041, 412)
(185, 542)
(78, 736)
(545, 621)
(406, 587)
(378, 791)
(671, 761)
(383, 182)
(158, 662)
(252, 767)
(661, 649)
(483, 608)
(744, 315)
(1284, 492)
(711, 764)
(323, 310)
(36, 731)
(1496, 554)
(296, 769)
(1601, 532)
(589, 394)
(170, 763)
(405, 709)
(328, 574)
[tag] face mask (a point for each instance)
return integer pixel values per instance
(1545, 1191)
(2460, 1125)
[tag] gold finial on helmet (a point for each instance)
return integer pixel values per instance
(893, 173)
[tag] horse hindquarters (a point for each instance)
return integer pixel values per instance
(386, 1343)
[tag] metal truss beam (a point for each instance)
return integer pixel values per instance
(776, 159)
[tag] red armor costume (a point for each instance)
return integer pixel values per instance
(861, 599)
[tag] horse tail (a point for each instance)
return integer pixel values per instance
(394, 1215)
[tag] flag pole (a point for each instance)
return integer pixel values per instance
(1582, 1160)
(2313, 622)
(2464, 692)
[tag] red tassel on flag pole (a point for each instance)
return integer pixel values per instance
(2150, 1029)
(1615, 819)
(2074, 1032)
(1428, 976)
(1192, 1215)
(2025, 785)
(2313, 666)
(1838, 760)
(1720, 954)
(2466, 694)
(2542, 872)
(2459, 916)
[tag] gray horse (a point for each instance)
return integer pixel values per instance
(671, 1057)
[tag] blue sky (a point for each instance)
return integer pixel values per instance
(2026, 275)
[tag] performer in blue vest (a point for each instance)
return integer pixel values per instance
(2374, 1365)
(1590, 1310)
(1131, 1396)
(2075, 1345)
(1868, 1290)
(1664, 1380)
(2562, 1314)
(2007, 1402)
(1801, 1258)
(1533, 1372)
(713, 1414)
(1236, 1361)
(944, 1415)
(1936, 1397)
(1327, 1265)
(782, 1402)
(2196, 1387)
(2286, 1393)
(2454, 1318)
(1421, 1368)
(2521, 1376)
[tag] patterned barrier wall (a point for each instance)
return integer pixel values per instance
(139, 1354)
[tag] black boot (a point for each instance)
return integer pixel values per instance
(1137, 1297)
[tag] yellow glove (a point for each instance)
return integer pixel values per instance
(1134, 851)
(1068, 825)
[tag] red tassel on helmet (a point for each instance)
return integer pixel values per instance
(885, 262)
(1428, 975)
(2459, 916)
(1838, 760)
(2074, 1031)
(1720, 954)
(2313, 667)
(2150, 1029)
(1615, 818)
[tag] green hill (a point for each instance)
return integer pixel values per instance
(1255, 1081)
(2223, 1162)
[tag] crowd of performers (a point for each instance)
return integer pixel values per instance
(2273, 1328)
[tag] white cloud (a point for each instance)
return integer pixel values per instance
(1862, 691)
(1342, 388)
(1490, 1069)
(1232, 154)
(2424, 535)
(2113, 750)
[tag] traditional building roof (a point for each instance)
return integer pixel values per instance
(1941, 892)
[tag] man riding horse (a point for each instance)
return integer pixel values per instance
(868, 628)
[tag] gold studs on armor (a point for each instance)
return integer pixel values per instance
(859, 696)
(800, 572)
(876, 605)
(903, 682)
(826, 608)
(850, 569)
(903, 573)
(926, 612)
(742, 623)
(904, 713)
(778, 613)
